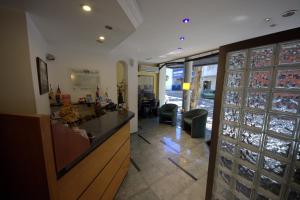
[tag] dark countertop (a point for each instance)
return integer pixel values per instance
(101, 128)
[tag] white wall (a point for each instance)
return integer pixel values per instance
(106, 64)
(162, 85)
(59, 72)
(16, 87)
(37, 48)
(133, 92)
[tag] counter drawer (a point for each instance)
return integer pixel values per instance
(97, 188)
(113, 187)
(78, 179)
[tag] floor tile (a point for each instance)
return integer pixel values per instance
(159, 178)
(167, 187)
(147, 194)
(132, 184)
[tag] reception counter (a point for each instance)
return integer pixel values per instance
(28, 155)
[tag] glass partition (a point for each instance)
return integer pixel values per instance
(258, 154)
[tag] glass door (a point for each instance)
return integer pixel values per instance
(258, 154)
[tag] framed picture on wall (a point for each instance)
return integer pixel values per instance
(146, 83)
(42, 76)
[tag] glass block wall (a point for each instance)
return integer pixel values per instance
(258, 153)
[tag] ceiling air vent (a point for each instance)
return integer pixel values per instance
(288, 13)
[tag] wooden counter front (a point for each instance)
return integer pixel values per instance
(28, 162)
(88, 172)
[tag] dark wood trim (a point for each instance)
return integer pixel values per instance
(292, 34)
(203, 57)
(216, 122)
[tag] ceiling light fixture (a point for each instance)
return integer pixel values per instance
(267, 19)
(179, 48)
(185, 20)
(288, 13)
(102, 38)
(273, 25)
(86, 8)
(181, 38)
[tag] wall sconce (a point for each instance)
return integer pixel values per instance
(186, 86)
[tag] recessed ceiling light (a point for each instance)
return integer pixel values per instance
(86, 8)
(185, 20)
(273, 25)
(181, 38)
(267, 19)
(288, 13)
(102, 38)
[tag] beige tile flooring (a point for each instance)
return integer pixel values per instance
(159, 178)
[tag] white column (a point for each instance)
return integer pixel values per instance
(188, 68)
(162, 86)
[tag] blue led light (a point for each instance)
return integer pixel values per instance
(186, 20)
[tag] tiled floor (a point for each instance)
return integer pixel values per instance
(159, 178)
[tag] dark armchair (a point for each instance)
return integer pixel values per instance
(195, 120)
(168, 112)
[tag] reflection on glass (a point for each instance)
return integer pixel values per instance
(227, 147)
(298, 153)
(231, 114)
(270, 185)
(282, 125)
(257, 100)
(274, 166)
(230, 131)
(296, 176)
(234, 79)
(289, 53)
(261, 197)
(224, 192)
(246, 172)
(288, 78)
(248, 155)
(237, 60)
(286, 102)
(261, 57)
(254, 119)
(243, 189)
(225, 177)
(250, 137)
(226, 162)
(294, 195)
(278, 146)
(260, 79)
(233, 98)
